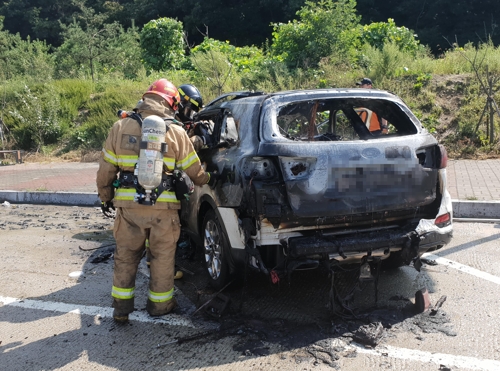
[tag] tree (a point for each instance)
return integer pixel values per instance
(24, 57)
(162, 44)
(38, 19)
(214, 66)
(433, 21)
(124, 54)
(32, 59)
(6, 42)
(87, 41)
(302, 43)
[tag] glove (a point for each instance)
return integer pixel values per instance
(106, 208)
(183, 185)
(214, 177)
(201, 130)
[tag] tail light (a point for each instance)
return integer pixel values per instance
(443, 220)
(443, 158)
(434, 157)
(297, 168)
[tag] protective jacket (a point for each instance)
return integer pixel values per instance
(135, 222)
(121, 153)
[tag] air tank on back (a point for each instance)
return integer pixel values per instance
(150, 167)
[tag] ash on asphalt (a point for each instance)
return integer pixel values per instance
(296, 314)
(293, 314)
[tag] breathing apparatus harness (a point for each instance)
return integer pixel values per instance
(177, 181)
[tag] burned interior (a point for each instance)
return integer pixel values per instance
(340, 119)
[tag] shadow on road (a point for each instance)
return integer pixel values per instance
(291, 319)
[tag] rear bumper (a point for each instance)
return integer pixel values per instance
(413, 239)
(434, 240)
(366, 243)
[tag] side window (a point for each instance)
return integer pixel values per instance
(229, 130)
(212, 122)
(342, 119)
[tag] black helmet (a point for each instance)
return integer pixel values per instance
(191, 100)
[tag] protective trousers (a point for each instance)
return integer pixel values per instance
(132, 228)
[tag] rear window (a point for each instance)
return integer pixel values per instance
(342, 120)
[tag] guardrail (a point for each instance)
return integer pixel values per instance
(18, 154)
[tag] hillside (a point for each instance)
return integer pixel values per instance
(460, 107)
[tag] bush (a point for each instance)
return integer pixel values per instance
(378, 34)
(34, 119)
(162, 44)
(302, 43)
(243, 59)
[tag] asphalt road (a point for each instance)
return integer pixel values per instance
(55, 313)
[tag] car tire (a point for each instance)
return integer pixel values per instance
(216, 251)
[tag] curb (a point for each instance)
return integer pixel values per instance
(461, 209)
(476, 209)
(51, 198)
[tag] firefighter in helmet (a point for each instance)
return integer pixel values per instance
(190, 103)
(135, 222)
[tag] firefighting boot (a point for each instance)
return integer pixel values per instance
(122, 308)
(119, 317)
(154, 310)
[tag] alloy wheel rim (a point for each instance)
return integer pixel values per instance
(212, 249)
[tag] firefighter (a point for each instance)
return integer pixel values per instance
(135, 222)
(191, 102)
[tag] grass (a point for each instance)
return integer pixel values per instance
(86, 110)
(471, 198)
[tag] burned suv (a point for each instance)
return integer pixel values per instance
(304, 183)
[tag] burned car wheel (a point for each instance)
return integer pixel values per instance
(215, 251)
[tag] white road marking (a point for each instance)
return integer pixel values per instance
(463, 268)
(448, 360)
(169, 319)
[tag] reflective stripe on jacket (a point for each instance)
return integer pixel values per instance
(121, 153)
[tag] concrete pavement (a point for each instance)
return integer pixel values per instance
(59, 183)
(474, 185)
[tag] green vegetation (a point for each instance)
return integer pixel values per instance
(55, 100)
(320, 31)
(162, 44)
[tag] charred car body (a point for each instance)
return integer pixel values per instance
(305, 183)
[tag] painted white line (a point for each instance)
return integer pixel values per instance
(177, 320)
(448, 360)
(169, 319)
(463, 268)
